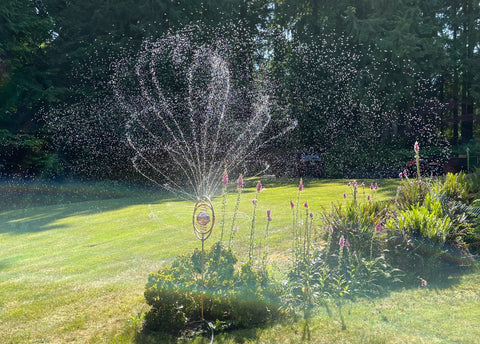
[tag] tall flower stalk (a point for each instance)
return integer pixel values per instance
(224, 201)
(295, 228)
(468, 160)
(416, 148)
(237, 204)
(265, 239)
(252, 229)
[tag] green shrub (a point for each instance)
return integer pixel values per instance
(357, 223)
(454, 186)
(412, 192)
(231, 299)
(425, 220)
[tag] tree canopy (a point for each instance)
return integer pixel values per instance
(375, 74)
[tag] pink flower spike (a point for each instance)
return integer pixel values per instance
(259, 187)
(405, 173)
(419, 182)
(225, 178)
(378, 228)
(376, 186)
(305, 204)
(347, 244)
(330, 229)
(371, 186)
(240, 182)
(400, 175)
(300, 186)
(254, 201)
(268, 215)
(416, 147)
(341, 242)
(423, 283)
(292, 205)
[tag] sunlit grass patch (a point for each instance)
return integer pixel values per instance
(76, 271)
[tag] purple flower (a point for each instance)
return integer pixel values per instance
(235, 230)
(419, 182)
(423, 283)
(378, 228)
(240, 182)
(416, 147)
(330, 229)
(292, 205)
(368, 197)
(305, 204)
(347, 244)
(315, 230)
(371, 186)
(311, 215)
(468, 149)
(225, 178)
(254, 201)
(344, 195)
(405, 173)
(376, 186)
(362, 185)
(300, 186)
(268, 215)
(400, 175)
(348, 184)
(259, 187)
(399, 188)
(341, 242)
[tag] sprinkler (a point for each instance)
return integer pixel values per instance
(203, 222)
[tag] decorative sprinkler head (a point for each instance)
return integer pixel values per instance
(203, 218)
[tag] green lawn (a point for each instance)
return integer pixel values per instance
(74, 260)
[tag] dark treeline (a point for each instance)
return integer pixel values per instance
(365, 79)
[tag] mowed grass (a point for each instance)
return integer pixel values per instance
(74, 260)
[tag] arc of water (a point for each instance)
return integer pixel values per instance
(182, 143)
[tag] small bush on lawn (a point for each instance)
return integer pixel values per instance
(231, 298)
(360, 224)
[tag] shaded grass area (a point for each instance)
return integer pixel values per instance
(73, 268)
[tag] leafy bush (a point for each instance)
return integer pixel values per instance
(412, 192)
(357, 223)
(425, 220)
(454, 186)
(231, 299)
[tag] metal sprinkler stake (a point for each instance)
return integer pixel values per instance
(203, 222)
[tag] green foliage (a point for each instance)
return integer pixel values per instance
(454, 186)
(356, 222)
(426, 220)
(412, 192)
(232, 299)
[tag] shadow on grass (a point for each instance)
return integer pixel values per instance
(236, 336)
(33, 207)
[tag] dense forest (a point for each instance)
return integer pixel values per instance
(364, 79)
